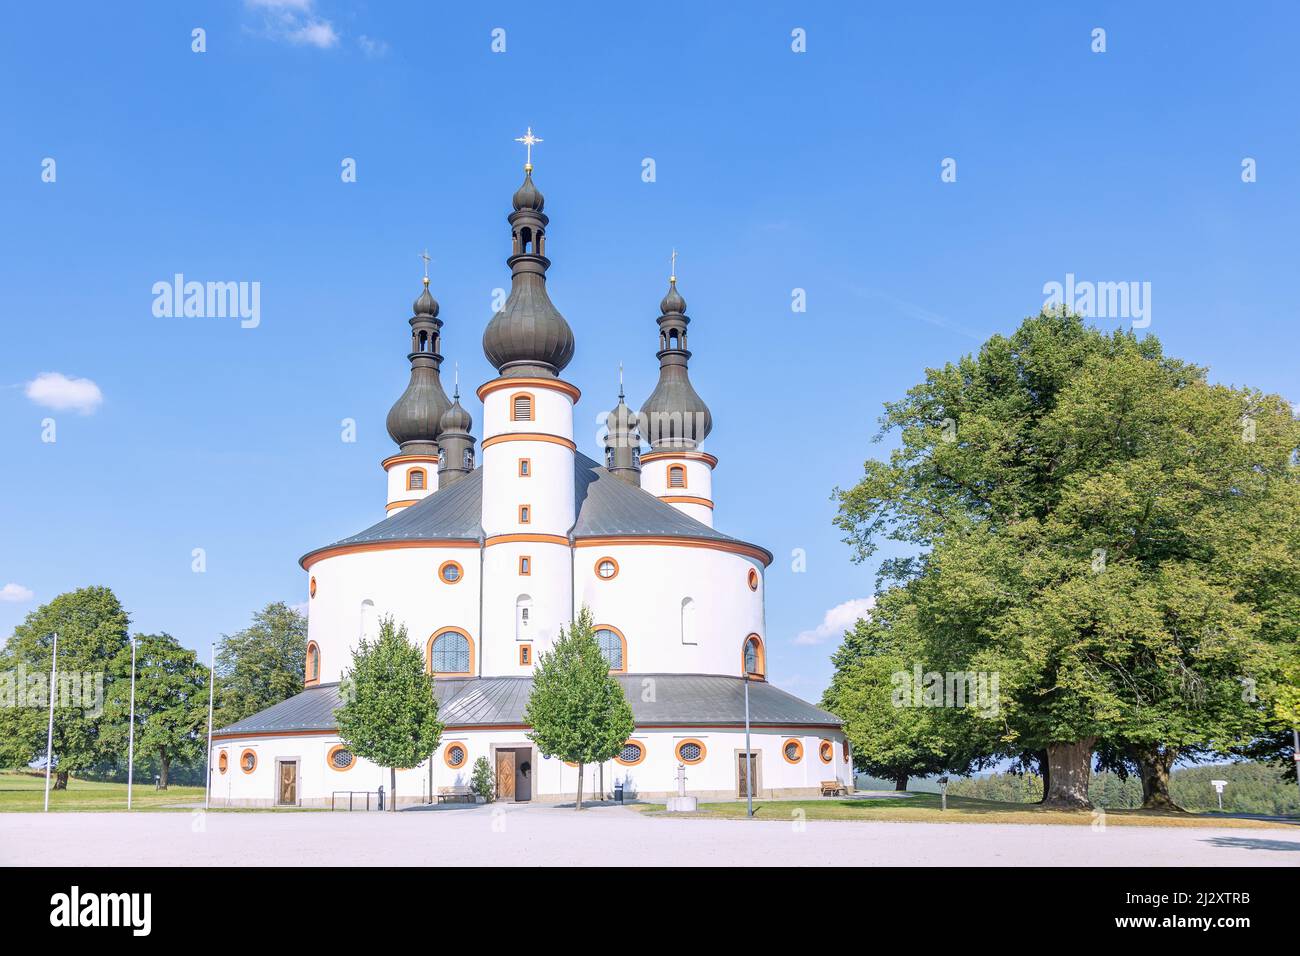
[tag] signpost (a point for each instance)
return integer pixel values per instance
(1218, 789)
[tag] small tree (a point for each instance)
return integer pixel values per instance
(481, 781)
(261, 665)
(577, 709)
(389, 714)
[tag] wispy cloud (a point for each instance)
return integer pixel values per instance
(837, 620)
(59, 392)
(15, 593)
(296, 22)
(371, 47)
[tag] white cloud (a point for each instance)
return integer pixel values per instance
(295, 21)
(837, 620)
(371, 47)
(15, 593)
(55, 390)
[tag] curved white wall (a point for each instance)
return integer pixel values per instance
(399, 477)
(699, 484)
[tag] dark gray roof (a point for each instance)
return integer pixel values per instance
(604, 504)
(693, 700)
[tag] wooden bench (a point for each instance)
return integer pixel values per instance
(833, 788)
(455, 795)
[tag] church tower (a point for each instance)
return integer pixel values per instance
(455, 443)
(528, 454)
(623, 441)
(413, 421)
(675, 421)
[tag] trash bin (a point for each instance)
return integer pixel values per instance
(618, 792)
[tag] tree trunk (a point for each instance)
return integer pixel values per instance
(1045, 773)
(1068, 765)
(164, 764)
(900, 781)
(392, 789)
(60, 780)
(1154, 765)
(577, 805)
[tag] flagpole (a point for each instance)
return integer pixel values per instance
(49, 736)
(130, 747)
(207, 760)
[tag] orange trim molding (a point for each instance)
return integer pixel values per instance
(752, 579)
(329, 759)
(442, 570)
(690, 740)
(686, 500)
(243, 760)
(705, 457)
(395, 459)
(311, 587)
(798, 753)
(826, 751)
(223, 762)
(309, 559)
(525, 655)
(736, 547)
(538, 538)
(464, 755)
(599, 562)
(460, 728)
(428, 652)
(404, 503)
(632, 763)
(528, 436)
(554, 384)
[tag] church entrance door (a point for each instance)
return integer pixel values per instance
(286, 794)
(505, 774)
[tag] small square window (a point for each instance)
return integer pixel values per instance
(525, 564)
(525, 467)
(525, 514)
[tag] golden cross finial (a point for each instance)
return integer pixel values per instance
(425, 256)
(529, 140)
(672, 271)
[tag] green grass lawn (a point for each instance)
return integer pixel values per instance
(25, 791)
(925, 808)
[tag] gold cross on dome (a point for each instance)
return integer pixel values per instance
(425, 256)
(672, 271)
(529, 140)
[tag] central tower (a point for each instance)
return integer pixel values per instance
(528, 454)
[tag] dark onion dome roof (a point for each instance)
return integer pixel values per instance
(672, 303)
(693, 700)
(605, 507)
(413, 421)
(455, 418)
(529, 336)
(674, 416)
(426, 304)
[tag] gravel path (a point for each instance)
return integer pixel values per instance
(537, 834)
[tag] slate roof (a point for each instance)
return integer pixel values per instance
(695, 700)
(605, 505)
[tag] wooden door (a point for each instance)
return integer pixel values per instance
(505, 774)
(744, 768)
(288, 795)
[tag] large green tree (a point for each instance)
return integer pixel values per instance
(261, 665)
(389, 714)
(577, 710)
(171, 704)
(1072, 498)
(92, 631)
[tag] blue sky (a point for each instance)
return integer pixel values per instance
(775, 171)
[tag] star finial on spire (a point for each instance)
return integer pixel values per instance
(672, 270)
(425, 256)
(529, 141)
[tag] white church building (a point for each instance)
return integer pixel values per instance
(485, 558)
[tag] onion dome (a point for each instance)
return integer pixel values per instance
(414, 420)
(623, 441)
(456, 443)
(529, 336)
(455, 418)
(674, 416)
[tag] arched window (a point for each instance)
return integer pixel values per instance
(451, 653)
(676, 476)
(467, 460)
(313, 663)
(753, 660)
(688, 621)
(523, 617)
(415, 479)
(223, 762)
(613, 646)
(521, 407)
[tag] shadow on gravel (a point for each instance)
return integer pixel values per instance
(1255, 843)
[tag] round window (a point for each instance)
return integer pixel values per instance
(753, 580)
(248, 761)
(450, 572)
(223, 762)
(631, 754)
(690, 751)
(606, 568)
(792, 750)
(455, 756)
(340, 758)
(311, 588)
(826, 751)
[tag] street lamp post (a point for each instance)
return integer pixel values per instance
(749, 759)
(130, 746)
(49, 735)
